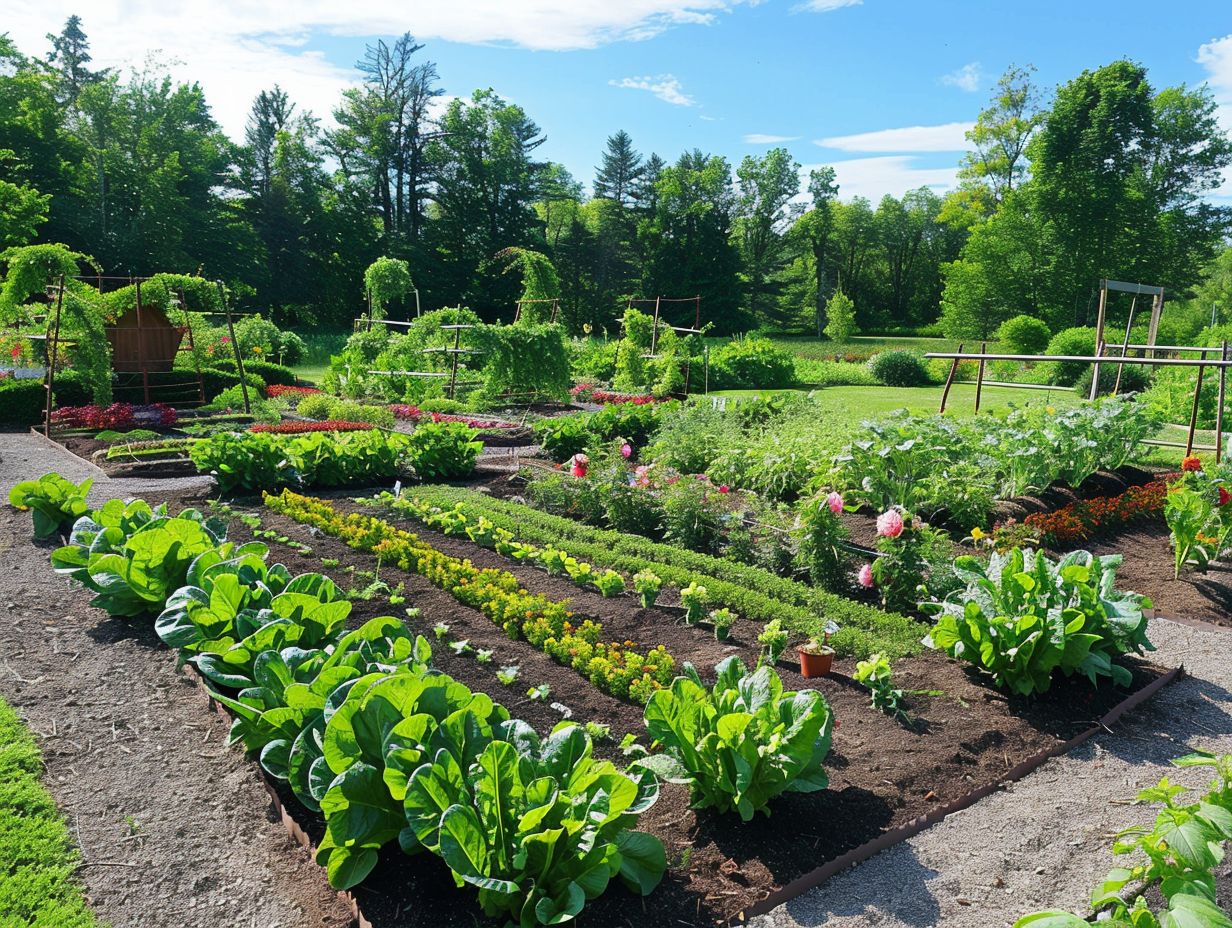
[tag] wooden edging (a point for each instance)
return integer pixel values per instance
(887, 840)
(804, 883)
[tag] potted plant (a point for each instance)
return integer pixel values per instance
(722, 619)
(817, 657)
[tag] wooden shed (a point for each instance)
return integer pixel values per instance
(149, 346)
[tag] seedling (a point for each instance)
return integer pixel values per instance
(539, 693)
(509, 674)
(440, 629)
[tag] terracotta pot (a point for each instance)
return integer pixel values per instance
(815, 665)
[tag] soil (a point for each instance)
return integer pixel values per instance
(883, 774)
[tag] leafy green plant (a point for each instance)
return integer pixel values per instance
(1177, 855)
(694, 598)
(443, 450)
(609, 583)
(742, 742)
(647, 584)
(1023, 617)
(539, 693)
(508, 675)
(877, 674)
(1198, 510)
(257, 461)
(773, 641)
(722, 619)
(52, 500)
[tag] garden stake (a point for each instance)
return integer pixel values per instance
(1193, 416)
(949, 381)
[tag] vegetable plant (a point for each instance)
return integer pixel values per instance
(723, 619)
(647, 584)
(443, 450)
(609, 583)
(773, 641)
(742, 742)
(1023, 617)
(877, 674)
(53, 501)
(694, 598)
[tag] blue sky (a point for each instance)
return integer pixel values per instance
(883, 89)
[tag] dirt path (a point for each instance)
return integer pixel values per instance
(1045, 842)
(193, 846)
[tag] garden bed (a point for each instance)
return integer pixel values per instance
(883, 775)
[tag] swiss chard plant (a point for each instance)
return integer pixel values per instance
(742, 742)
(1198, 510)
(1023, 617)
(538, 827)
(53, 501)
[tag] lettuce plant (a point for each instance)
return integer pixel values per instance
(742, 742)
(609, 583)
(1024, 616)
(54, 502)
(647, 584)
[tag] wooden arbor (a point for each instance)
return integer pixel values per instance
(684, 330)
(1157, 306)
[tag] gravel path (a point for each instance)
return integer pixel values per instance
(175, 828)
(1045, 841)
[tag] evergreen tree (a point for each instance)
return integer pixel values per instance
(620, 171)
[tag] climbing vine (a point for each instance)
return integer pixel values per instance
(387, 279)
(527, 362)
(540, 284)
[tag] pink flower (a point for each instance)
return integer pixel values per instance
(724, 489)
(578, 464)
(835, 502)
(890, 524)
(626, 450)
(866, 576)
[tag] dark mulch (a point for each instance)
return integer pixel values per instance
(883, 774)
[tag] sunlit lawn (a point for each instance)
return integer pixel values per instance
(856, 403)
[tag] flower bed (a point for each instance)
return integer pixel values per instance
(1081, 520)
(616, 669)
(414, 414)
(274, 390)
(588, 393)
(115, 416)
(295, 428)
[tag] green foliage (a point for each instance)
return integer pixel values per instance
(900, 368)
(22, 402)
(540, 285)
(822, 534)
(1023, 616)
(264, 461)
(387, 280)
(54, 501)
(562, 437)
(1177, 856)
(742, 742)
(1077, 341)
(647, 584)
(1199, 515)
(133, 565)
(840, 318)
(40, 885)
(30, 269)
(1023, 334)
(323, 407)
(527, 361)
(877, 674)
(751, 363)
(442, 450)
(1134, 378)
(917, 561)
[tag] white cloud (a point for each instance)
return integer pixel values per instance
(823, 6)
(893, 174)
(760, 138)
(664, 86)
(950, 136)
(1216, 57)
(236, 48)
(969, 77)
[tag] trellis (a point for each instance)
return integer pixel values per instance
(695, 330)
(55, 342)
(455, 354)
(1202, 363)
(555, 301)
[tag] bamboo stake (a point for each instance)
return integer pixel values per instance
(1223, 385)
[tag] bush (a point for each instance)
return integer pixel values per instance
(232, 400)
(751, 364)
(259, 336)
(267, 371)
(593, 359)
(443, 451)
(899, 368)
(1135, 378)
(841, 317)
(73, 389)
(215, 381)
(322, 406)
(1024, 334)
(1076, 341)
(22, 402)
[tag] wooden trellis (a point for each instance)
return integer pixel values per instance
(455, 354)
(1202, 363)
(695, 330)
(555, 301)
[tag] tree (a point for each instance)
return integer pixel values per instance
(620, 171)
(22, 209)
(70, 53)
(841, 318)
(766, 186)
(997, 161)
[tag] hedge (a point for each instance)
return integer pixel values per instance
(757, 594)
(268, 371)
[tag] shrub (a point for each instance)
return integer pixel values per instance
(261, 339)
(215, 381)
(269, 372)
(1023, 616)
(822, 535)
(1076, 341)
(692, 515)
(593, 359)
(840, 317)
(22, 402)
(443, 451)
(73, 389)
(899, 368)
(1023, 334)
(746, 722)
(1135, 378)
(751, 363)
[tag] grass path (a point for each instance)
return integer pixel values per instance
(37, 856)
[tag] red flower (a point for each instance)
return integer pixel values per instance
(724, 489)
(1191, 464)
(1224, 496)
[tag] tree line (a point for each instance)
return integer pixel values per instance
(133, 169)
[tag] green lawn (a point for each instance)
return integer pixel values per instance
(871, 344)
(37, 856)
(856, 403)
